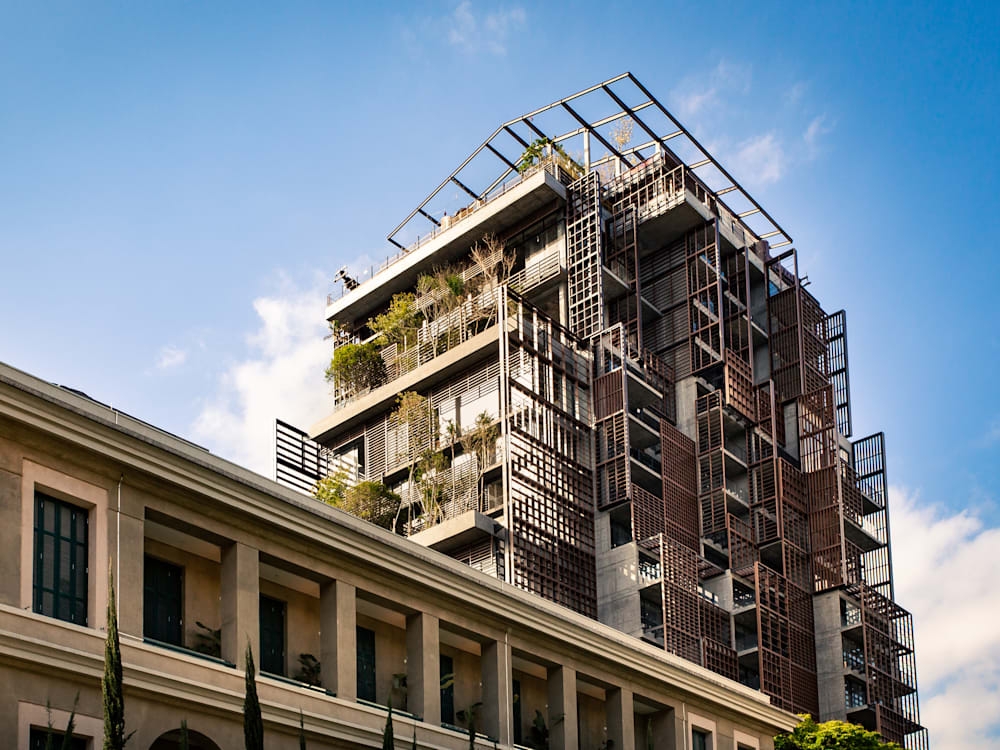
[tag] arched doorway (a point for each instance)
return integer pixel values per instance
(172, 741)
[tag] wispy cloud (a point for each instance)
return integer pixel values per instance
(281, 375)
(762, 158)
(170, 357)
(697, 94)
(945, 570)
(817, 128)
(476, 31)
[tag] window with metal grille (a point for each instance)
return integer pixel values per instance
(272, 636)
(60, 574)
(366, 664)
(447, 690)
(38, 737)
(162, 601)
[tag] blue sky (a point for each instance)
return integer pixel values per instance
(180, 182)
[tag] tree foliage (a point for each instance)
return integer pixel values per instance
(369, 501)
(112, 682)
(356, 366)
(253, 723)
(398, 324)
(831, 735)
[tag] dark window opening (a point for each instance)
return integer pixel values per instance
(518, 732)
(366, 664)
(162, 601)
(272, 636)
(36, 739)
(60, 574)
(699, 740)
(447, 690)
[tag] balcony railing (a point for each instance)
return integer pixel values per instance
(551, 165)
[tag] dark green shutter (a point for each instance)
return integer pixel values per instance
(162, 601)
(272, 636)
(366, 664)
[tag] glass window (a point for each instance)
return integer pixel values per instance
(518, 731)
(700, 740)
(366, 664)
(162, 601)
(60, 574)
(272, 635)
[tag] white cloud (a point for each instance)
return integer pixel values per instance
(761, 158)
(475, 32)
(697, 94)
(817, 128)
(945, 567)
(170, 357)
(280, 376)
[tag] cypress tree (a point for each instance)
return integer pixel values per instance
(302, 731)
(70, 726)
(253, 724)
(111, 683)
(388, 742)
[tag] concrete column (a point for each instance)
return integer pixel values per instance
(620, 718)
(240, 603)
(338, 617)
(130, 582)
(498, 699)
(423, 667)
(562, 709)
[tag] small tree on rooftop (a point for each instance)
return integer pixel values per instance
(112, 688)
(809, 735)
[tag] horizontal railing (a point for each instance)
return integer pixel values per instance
(550, 166)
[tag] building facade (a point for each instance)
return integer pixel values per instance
(629, 404)
(343, 617)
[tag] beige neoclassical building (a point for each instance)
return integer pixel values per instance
(342, 615)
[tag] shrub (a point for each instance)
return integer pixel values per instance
(356, 366)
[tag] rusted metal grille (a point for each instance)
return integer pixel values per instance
(704, 297)
(836, 328)
(740, 394)
(549, 462)
(583, 248)
(680, 471)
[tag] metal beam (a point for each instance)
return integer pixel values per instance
(502, 158)
(594, 133)
(428, 216)
(459, 183)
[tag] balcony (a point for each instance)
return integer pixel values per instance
(513, 201)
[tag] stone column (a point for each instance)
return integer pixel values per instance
(240, 603)
(498, 698)
(423, 667)
(338, 618)
(620, 718)
(562, 709)
(130, 582)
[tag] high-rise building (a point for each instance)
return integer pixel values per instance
(621, 396)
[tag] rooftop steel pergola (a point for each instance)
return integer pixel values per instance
(507, 143)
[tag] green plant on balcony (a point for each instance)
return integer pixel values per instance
(430, 478)
(369, 501)
(400, 323)
(481, 439)
(540, 148)
(413, 414)
(355, 367)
